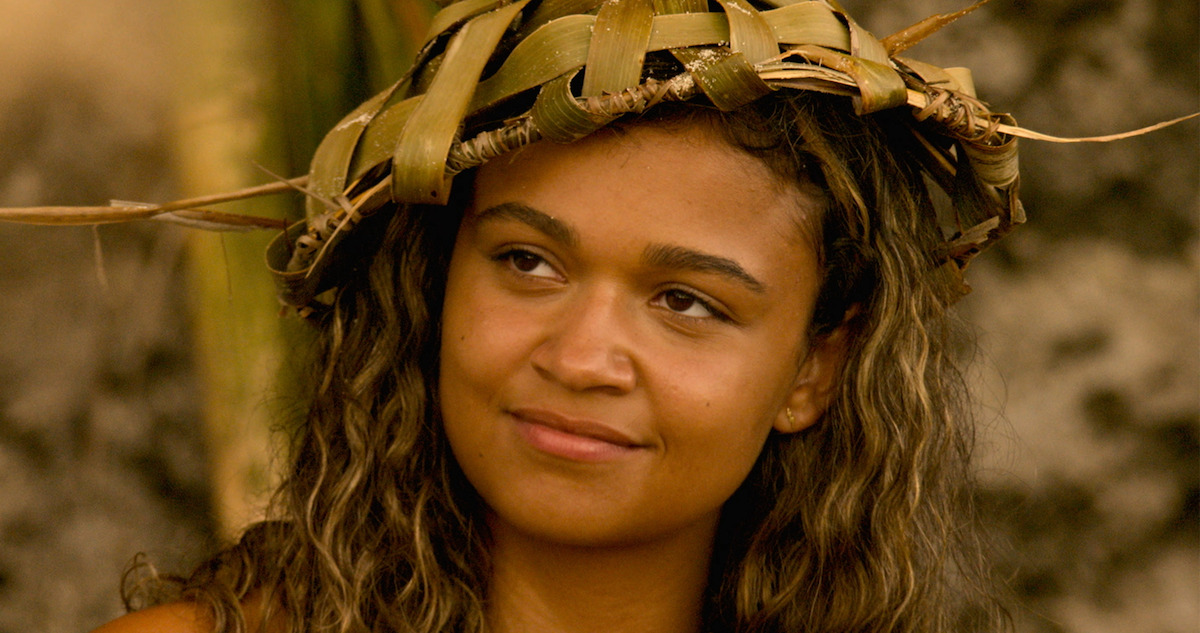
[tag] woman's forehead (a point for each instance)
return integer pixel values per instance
(671, 151)
(654, 191)
(678, 162)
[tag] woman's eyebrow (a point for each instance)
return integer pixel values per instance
(554, 228)
(658, 255)
(668, 256)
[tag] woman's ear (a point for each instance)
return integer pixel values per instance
(816, 382)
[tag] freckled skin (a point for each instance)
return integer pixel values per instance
(690, 364)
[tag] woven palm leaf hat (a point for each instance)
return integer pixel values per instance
(574, 66)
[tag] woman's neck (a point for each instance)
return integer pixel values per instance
(655, 587)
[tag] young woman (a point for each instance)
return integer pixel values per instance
(657, 341)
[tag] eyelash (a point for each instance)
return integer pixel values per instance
(714, 312)
(509, 257)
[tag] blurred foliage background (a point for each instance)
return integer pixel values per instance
(137, 397)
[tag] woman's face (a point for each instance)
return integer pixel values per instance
(625, 322)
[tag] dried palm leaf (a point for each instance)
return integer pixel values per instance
(485, 57)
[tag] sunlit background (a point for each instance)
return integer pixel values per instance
(138, 364)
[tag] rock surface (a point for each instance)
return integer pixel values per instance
(101, 455)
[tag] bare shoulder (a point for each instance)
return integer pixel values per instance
(178, 617)
(189, 617)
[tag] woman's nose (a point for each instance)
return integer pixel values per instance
(587, 345)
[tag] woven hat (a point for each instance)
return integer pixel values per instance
(580, 64)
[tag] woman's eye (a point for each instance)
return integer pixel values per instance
(528, 263)
(687, 304)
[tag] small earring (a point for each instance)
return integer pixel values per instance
(791, 418)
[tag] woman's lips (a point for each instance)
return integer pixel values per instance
(572, 438)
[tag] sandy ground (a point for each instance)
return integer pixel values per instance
(1088, 319)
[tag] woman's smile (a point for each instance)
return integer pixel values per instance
(621, 333)
(573, 438)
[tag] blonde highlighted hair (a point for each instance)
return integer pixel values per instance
(860, 523)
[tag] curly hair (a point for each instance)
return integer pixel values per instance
(863, 522)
